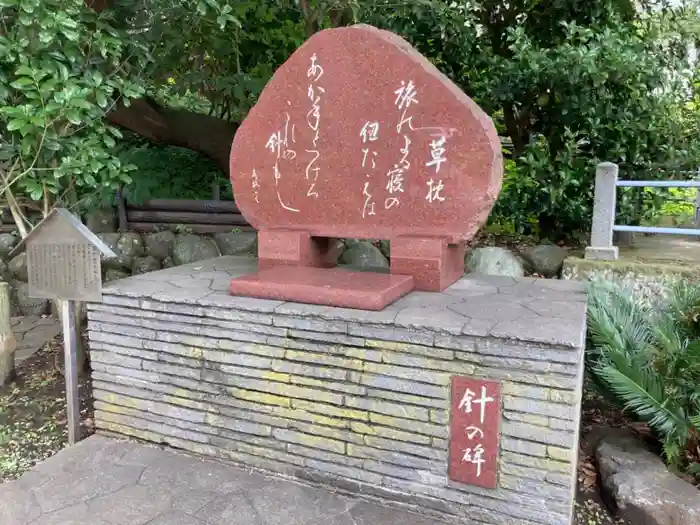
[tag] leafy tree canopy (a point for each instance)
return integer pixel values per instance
(568, 82)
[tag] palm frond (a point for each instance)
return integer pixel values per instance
(672, 452)
(641, 390)
(617, 319)
(695, 421)
(683, 305)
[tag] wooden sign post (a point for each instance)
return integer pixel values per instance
(64, 264)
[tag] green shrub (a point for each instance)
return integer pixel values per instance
(546, 194)
(172, 173)
(646, 358)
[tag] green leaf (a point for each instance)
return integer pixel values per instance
(73, 117)
(70, 34)
(15, 124)
(22, 82)
(24, 70)
(101, 99)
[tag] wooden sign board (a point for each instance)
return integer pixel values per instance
(64, 259)
(63, 263)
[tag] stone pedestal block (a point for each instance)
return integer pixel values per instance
(387, 403)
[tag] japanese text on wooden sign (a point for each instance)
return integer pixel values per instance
(474, 431)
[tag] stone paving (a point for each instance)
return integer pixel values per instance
(102, 481)
(31, 333)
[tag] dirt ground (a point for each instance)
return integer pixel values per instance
(33, 427)
(33, 412)
(590, 508)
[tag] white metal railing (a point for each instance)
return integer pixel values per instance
(604, 208)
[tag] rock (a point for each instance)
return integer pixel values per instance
(114, 274)
(101, 220)
(130, 245)
(28, 305)
(644, 491)
(546, 259)
(493, 260)
(111, 240)
(18, 267)
(363, 255)
(159, 244)
(385, 248)
(127, 246)
(5, 273)
(145, 265)
(236, 243)
(190, 248)
(7, 242)
(168, 262)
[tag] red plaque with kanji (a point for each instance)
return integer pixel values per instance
(474, 431)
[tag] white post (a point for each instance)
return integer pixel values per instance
(696, 211)
(601, 247)
(8, 344)
(70, 352)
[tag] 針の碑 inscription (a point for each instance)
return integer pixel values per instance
(474, 431)
(427, 162)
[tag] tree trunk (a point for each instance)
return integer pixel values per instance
(207, 135)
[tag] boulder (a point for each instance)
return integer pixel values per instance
(18, 267)
(168, 262)
(363, 255)
(545, 259)
(29, 305)
(114, 274)
(5, 273)
(145, 265)
(236, 243)
(640, 486)
(130, 245)
(127, 246)
(385, 248)
(112, 240)
(160, 244)
(7, 242)
(190, 248)
(101, 220)
(492, 260)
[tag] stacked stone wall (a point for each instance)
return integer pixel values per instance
(362, 406)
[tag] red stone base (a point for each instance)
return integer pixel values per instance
(433, 263)
(325, 286)
(295, 248)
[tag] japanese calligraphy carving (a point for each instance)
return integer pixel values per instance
(474, 431)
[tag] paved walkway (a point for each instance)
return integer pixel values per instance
(31, 333)
(665, 249)
(101, 481)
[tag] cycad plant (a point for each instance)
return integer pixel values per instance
(645, 357)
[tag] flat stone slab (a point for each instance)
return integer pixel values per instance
(102, 481)
(325, 286)
(31, 333)
(549, 311)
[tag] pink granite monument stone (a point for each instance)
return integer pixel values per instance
(358, 135)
